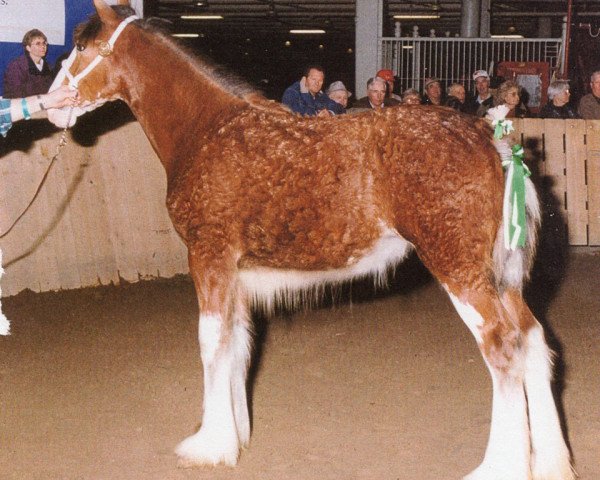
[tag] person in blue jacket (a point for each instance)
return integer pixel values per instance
(306, 97)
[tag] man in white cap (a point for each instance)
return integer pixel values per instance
(484, 94)
(338, 92)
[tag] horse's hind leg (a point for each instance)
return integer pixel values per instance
(225, 350)
(500, 340)
(549, 453)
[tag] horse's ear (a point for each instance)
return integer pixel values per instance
(107, 14)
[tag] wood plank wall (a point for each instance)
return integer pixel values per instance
(100, 217)
(567, 154)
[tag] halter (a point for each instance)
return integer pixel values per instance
(104, 50)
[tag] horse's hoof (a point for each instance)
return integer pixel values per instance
(484, 472)
(559, 472)
(201, 450)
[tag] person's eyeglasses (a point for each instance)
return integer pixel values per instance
(40, 44)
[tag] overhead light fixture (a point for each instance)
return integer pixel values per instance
(202, 17)
(506, 36)
(417, 16)
(185, 35)
(303, 31)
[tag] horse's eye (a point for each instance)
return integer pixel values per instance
(80, 47)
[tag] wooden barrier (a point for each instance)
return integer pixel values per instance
(566, 153)
(100, 217)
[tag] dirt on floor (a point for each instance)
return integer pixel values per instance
(103, 383)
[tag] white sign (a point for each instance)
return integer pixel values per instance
(19, 16)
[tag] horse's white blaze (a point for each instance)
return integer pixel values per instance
(267, 287)
(550, 455)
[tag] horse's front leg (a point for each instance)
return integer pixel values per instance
(225, 344)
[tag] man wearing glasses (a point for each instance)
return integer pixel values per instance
(30, 73)
(589, 105)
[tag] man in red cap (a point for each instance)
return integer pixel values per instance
(388, 76)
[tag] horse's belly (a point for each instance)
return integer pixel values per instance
(267, 286)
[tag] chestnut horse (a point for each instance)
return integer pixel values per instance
(272, 205)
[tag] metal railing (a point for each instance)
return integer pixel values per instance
(455, 59)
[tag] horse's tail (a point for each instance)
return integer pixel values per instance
(512, 267)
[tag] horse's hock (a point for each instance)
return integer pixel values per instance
(101, 215)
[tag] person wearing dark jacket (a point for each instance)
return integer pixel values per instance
(306, 97)
(456, 97)
(376, 95)
(484, 97)
(558, 105)
(433, 94)
(29, 74)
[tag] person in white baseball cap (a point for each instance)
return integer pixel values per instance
(483, 99)
(480, 73)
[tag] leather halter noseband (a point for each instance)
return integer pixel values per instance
(104, 50)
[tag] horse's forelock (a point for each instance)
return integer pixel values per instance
(89, 30)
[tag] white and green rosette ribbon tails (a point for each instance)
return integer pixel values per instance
(513, 208)
(4, 323)
(515, 220)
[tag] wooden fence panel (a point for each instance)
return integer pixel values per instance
(99, 217)
(593, 180)
(532, 139)
(555, 160)
(576, 191)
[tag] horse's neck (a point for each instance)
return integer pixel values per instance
(174, 102)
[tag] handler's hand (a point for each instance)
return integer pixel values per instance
(61, 97)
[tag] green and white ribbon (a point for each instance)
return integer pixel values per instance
(515, 220)
(502, 127)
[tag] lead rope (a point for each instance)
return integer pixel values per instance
(4, 322)
(61, 143)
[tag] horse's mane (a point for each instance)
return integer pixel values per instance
(88, 31)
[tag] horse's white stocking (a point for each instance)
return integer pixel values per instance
(550, 456)
(217, 440)
(508, 451)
